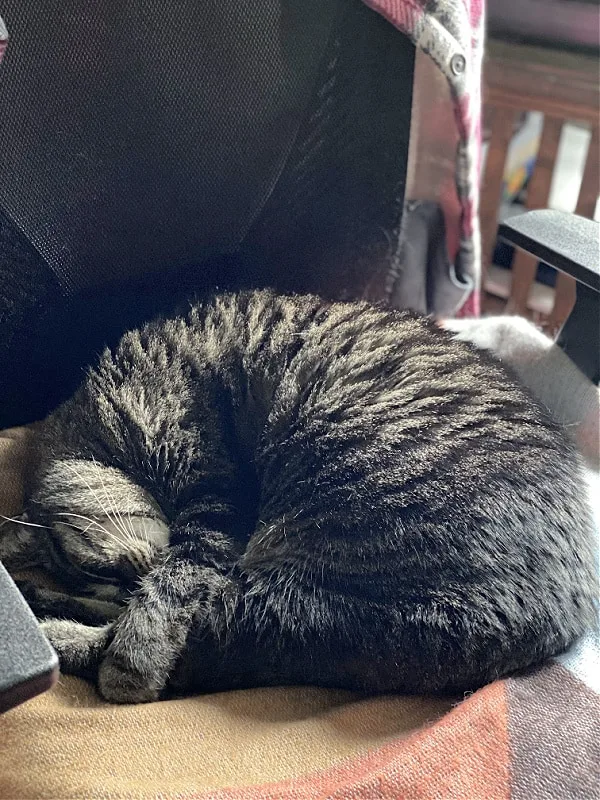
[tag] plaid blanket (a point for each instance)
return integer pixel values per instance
(528, 738)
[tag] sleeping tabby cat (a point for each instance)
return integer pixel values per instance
(279, 490)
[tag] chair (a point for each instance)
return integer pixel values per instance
(136, 169)
(149, 151)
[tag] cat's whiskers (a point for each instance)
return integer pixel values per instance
(21, 522)
(109, 534)
(92, 522)
(117, 518)
(112, 517)
(129, 523)
(144, 532)
(102, 505)
(76, 528)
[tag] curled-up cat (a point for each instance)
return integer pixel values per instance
(274, 490)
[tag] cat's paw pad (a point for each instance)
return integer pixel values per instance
(119, 683)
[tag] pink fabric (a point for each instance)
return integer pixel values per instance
(403, 14)
(3, 38)
(448, 30)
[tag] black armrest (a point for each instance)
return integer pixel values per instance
(571, 244)
(28, 665)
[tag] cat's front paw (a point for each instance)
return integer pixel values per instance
(78, 647)
(120, 682)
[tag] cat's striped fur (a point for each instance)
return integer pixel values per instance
(336, 494)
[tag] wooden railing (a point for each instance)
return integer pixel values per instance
(564, 87)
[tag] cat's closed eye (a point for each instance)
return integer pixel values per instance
(120, 546)
(100, 525)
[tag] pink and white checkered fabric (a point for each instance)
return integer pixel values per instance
(451, 33)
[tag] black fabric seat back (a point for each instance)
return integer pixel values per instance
(151, 151)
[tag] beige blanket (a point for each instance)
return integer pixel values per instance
(69, 743)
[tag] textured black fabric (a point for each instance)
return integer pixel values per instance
(327, 221)
(30, 301)
(142, 135)
(332, 222)
(27, 285)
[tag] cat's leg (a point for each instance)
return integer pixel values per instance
(206, 540)
(151, 635)
(276, 628)
(205, 628)
(45, 602)
(79, 647)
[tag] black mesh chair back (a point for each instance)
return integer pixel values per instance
(151, 151)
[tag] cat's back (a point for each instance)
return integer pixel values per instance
(250, 329)
(348, 356)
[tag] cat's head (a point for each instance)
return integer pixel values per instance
(95, 525)
(108, 465)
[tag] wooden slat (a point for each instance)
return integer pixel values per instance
(501, 133)
(559, 83)
(565, 289)
(590, 184)
(538, 192)
(564, 86)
